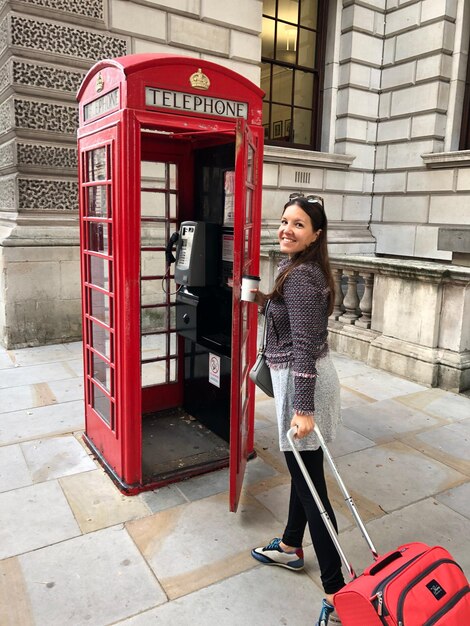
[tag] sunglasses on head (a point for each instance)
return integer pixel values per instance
(310, 198)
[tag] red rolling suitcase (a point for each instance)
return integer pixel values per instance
(414, 585)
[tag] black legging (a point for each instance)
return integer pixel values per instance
(302, 509)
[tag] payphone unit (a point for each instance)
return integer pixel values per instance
(170, 163)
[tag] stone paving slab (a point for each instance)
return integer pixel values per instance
(95, 579)
(386, 420)
(32, 374)
(97, 503)
(41, 422)
(55, 457)
(211, 543)
(14, 472)
(34, 517)
(380, 385)
(265, 596)
(382, 474)
(40, 354)
(428, 521)
(25, 397)
(439, 403)
(449, 444)
(457, 499)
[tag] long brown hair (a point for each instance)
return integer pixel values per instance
(316, 252)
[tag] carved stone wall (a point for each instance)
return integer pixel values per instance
(46, 48)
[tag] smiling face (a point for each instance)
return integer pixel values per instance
(296, 231)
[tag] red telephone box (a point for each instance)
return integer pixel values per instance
(167, 145)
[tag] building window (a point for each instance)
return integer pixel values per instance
(293, 46)
(465, 128)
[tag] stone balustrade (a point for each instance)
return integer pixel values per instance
(405, 316)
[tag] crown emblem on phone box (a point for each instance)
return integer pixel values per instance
(199, 80)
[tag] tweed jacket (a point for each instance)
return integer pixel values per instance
(298, 330)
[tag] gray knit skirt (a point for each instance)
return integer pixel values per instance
(327, 403)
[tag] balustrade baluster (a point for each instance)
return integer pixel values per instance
(338, 305)
(366, 301)
(351, 299)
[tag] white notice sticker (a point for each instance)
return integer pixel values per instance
(214, 369)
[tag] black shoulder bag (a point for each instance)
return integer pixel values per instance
(260, 373)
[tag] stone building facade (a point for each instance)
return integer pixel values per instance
(389, 167)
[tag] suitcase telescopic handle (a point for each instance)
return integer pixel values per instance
(324, 514)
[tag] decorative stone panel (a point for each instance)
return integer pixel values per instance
(64, 41)
(90, 8)
(42, 116)
(7, 193)
(3, 34)
(47, 195)
(7, 155)
(6, 116)
(5, 76)
(34, 155)
(45, 76)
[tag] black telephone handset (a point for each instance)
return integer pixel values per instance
(169, 256)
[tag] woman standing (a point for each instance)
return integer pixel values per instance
(306, 386)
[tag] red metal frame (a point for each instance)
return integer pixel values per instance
(113, 113)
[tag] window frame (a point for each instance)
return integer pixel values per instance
(317, 69)
(464, 143)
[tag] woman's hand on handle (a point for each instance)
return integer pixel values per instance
(304, 424)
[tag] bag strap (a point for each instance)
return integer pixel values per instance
(265, 329)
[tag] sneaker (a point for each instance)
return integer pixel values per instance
(328, 615)
(273, 554)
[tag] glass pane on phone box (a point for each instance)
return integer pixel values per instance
(248, 248)
(267, 45)
(153, 320)
(102, 372)
(249, 173)
(102, 405)
(288, 10)
(153, 373)
(153, 234)
(153, 346)
(249, 207)
(173, 371)
(153, 204)
(172, 174)
(97, 201)
(173, 206)
(98, 239)
(282, 84)
(302, 126)
(96, 164)
(99, 272)
(151, 292)
(308, 13)
(101, 340)
(173, 343)
(307, 43)
(100, 306)
(152, 262)
(153, 175)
